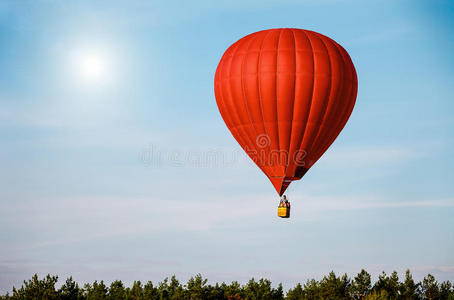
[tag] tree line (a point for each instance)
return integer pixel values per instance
(329, 287)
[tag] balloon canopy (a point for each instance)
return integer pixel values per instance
(285, 95)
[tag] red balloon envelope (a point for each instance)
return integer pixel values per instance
(285, 95)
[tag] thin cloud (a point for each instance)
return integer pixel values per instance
(152, 215)
(361, 203)
(79, 215)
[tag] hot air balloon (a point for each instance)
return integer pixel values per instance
(285, 95)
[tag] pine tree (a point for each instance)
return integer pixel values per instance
(297, 293)
(409, 290)
(430, 290)
(150, 292)
(333, 287)
(36, 289)
(70, 290)
(445, 290)
(116, 291)
(98, 291)
(361, 285)
(135, 292)
(312, 290)
(388, 283)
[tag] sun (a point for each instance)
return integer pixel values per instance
(91, 66)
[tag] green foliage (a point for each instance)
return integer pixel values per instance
(70, 290)
(116, 291)
(136, 292)
(262, 290)
(36, 289)
(430, 289)
(333, 287)
(232, 291)
(409, 290)
(446, 290)
(150, 292)
(311, 290)
(361, 285)
(296, 293)
(377, 295)
(97, 291)
(390, 284)
(198, 288)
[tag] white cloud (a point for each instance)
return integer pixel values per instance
(342, 203)
(113, 216)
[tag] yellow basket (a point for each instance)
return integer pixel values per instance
(283, 212)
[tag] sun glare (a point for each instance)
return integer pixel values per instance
(91, 66)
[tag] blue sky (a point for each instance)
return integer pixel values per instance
(133, 175)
